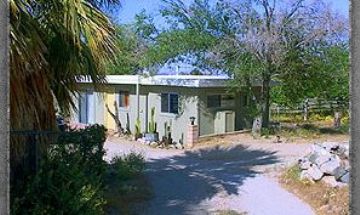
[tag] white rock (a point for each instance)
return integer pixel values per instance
(330, 166)
(304, 175)
(328, 146)
(345, 178)
(323, 158)
(304, 163)
(331, 181)
(339, 172)
(315, 173)
(153, 144)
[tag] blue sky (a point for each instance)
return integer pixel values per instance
(130, 8)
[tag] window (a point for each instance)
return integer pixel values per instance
(213, 101)
(216, 101)
(227, 101)
(169, 103)
(86, 107)
(123, 99)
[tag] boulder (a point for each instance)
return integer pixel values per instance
(339, 172)
(304, 175)
(330, 146)
(315, 173)
(153, 144)
(171, 146)
(304, 163)
(329, 167)
(331, 181)
(313, 157)
(345, 178)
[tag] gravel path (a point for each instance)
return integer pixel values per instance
(234, 177)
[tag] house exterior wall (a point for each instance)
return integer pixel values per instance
(207, 115)
(192, 102)
(188, 101)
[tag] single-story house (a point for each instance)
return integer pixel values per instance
(175, 98)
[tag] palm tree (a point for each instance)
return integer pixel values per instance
(53, 43)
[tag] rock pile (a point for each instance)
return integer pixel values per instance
(161, 145)
(328, 161)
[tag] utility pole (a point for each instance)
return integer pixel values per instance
(355, 107)
(4, 109)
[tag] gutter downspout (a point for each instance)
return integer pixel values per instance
(138, 97)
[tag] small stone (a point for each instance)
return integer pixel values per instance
(179, 146)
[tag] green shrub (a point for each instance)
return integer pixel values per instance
(128, 166)
(293, 173)
(267, 131)
(70, 179)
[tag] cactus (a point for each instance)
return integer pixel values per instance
(137, 127)
(165, 128)
(152, 123)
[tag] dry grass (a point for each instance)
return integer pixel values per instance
(322, 198)
(285, 138)
(228, 212)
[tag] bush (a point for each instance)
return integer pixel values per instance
(128, 166)
(267, 131)
(70, 179)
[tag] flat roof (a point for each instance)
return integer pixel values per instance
(168, 80)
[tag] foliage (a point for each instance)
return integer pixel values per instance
(253, 41)
(293, 173)
(324, 77)
(131, 50)
(128, 166)
(152, 123)
(137, 128)
(52, 44)
(70, 180)
(267, 131)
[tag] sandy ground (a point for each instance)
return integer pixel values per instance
(237, 174)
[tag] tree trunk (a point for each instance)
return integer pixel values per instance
(266, 101)
(115, 116)
(4, 110)
(306, 110)
(337, 119)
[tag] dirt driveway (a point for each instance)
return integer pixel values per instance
(233, 176)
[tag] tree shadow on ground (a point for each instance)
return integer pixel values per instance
(183, 184)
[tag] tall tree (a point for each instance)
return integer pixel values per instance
(254, 38)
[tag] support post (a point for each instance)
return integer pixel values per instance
(355, 107)
(4, 109)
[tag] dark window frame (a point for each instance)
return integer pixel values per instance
(169, 105)
(211, 104)
(126, 99)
